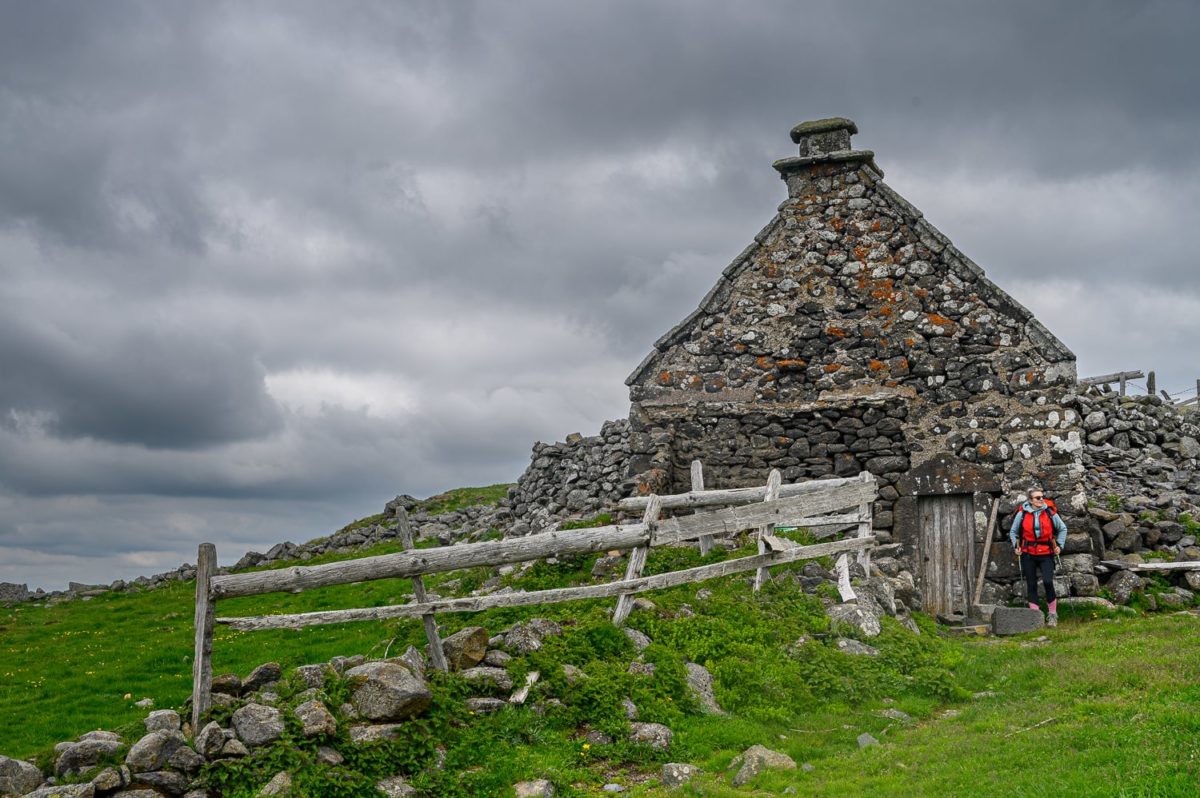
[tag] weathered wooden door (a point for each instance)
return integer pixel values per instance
(945, 554)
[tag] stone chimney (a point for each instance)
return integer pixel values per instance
(822, 141)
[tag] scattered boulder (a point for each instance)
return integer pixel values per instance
(18, 777)
(465, 648)
(396, 787)
(153, 751)
(640, 641)
(758, 758)
(498, 678)
(1122, 585)
(1016, 620)
(866, 740)
(370, 733)
(74, 758)
(387, 691)
(675, 774)
(280, 785)
(700, 685)
(849, 646)
(857, 616)
(316, 719)
(227, 684)
(654, 735)
(257, 724)
(211, 740)
(538, 788)
(260, 677)
(64, 791)
(163, 720)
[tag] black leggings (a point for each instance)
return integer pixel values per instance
(1030, 565)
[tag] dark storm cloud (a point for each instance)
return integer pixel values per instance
(264, 265)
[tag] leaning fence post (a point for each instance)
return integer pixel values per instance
(706, 541)
(772, 494)
(864, 525)
(436, 654)
(206, 563)
(637, 558)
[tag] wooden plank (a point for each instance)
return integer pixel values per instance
(431, 561)
(783, 512)
(843, 569)
(1116, 376)
(1186, 565)
(865, 524)
(206, 564)
(706, 541)
(778, 544)
(437, 655)
(774, 480)
(987, 547)
(637, 561)
(734, 496)
(557, 595)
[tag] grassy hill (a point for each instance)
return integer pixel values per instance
(1100, 706)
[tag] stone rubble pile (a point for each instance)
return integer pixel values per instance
(261, 708)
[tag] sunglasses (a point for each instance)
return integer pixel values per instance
(1037, 498)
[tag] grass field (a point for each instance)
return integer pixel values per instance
(1103, 706)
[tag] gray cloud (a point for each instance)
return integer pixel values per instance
(263, 266)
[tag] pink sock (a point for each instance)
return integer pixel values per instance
(1054, 606)
(1033, 606)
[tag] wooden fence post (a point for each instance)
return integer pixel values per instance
(983, 561)
(706, 541)
(1151, 385)
(844, 588)
(637, 559)
(206, 563)
(864, 525)
(772, 494)
(436, 655)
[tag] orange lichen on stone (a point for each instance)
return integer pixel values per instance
(791, 363)
(940, 321)
(875, 228)
(922, 292)
(861, 252)
(832, 367)
(764, 362)
(739, 348)
(984, 449)
(771, 270)
(837, 223)
(835, 332)
(886, 310)
(877, 365)
(664, 377)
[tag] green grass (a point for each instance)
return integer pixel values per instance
(459, 498)
(1106, 706)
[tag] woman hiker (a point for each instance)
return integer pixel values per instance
(1033, 539)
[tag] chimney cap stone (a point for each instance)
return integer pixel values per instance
(816, 126)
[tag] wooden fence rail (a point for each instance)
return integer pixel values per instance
(816, 505)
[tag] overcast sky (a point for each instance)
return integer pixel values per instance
(264, 266)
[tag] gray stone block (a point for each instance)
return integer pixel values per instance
(1016, 620)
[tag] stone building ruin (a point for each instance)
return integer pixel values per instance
(849, 336)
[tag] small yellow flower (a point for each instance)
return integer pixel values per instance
(586, 746)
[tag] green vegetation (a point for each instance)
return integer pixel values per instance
(459, 498)
(1113, 697)
(1114, 502)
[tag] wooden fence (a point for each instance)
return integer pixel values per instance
(814, 505)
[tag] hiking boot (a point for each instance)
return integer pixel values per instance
(1052, 619)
